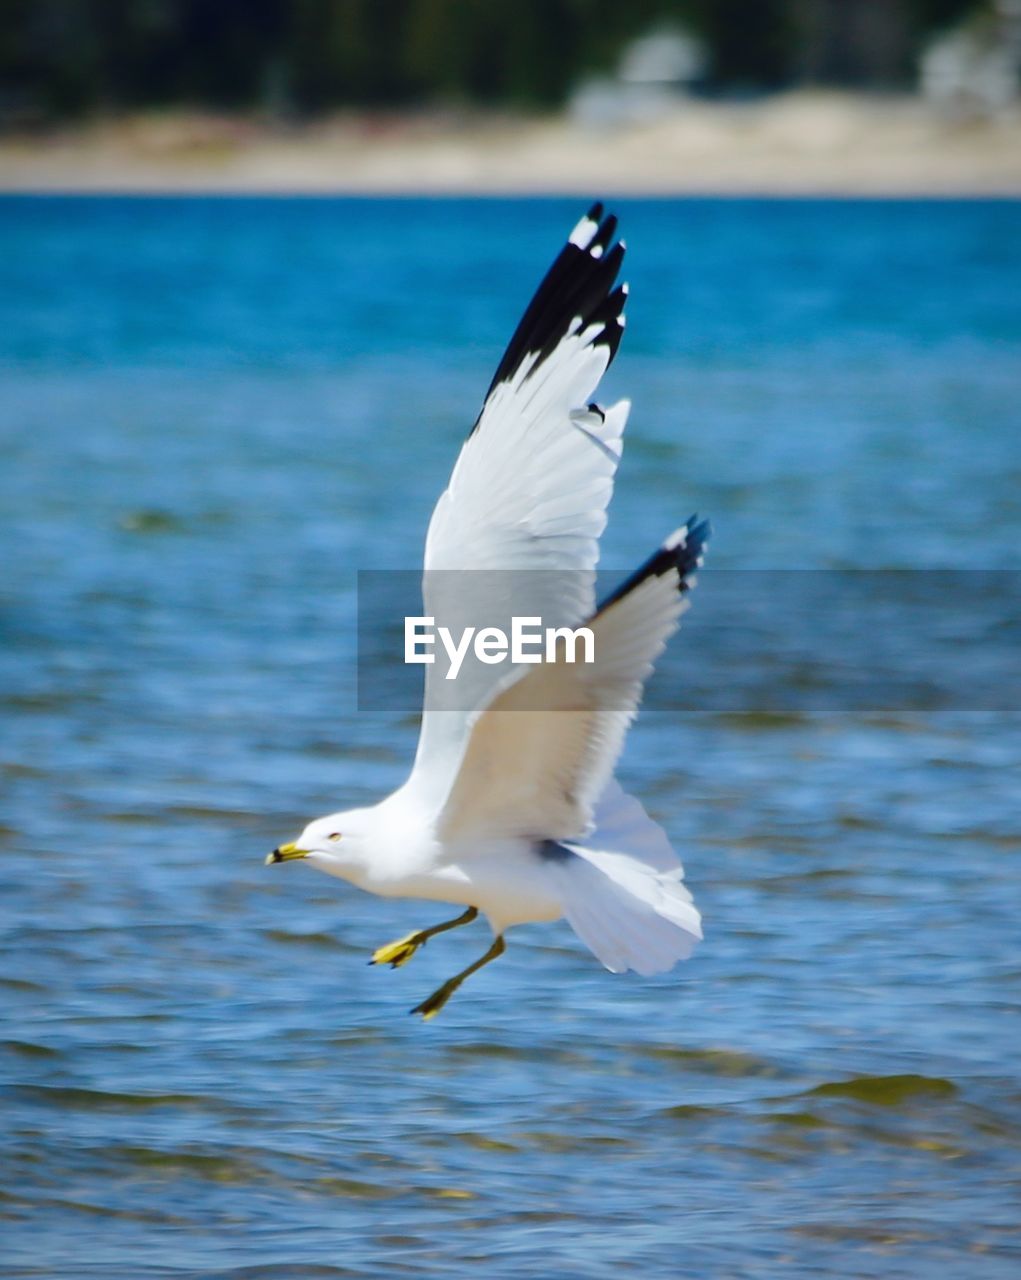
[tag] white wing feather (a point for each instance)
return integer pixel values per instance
(543, 751)
(516, 532)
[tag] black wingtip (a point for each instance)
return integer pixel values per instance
(579, 284)
(610, 315)
(698, 534)
(603, 236)
(684, 551)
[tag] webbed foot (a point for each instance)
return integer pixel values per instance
(431, 1006)
(400, 952)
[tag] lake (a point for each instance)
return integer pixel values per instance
(214, 413)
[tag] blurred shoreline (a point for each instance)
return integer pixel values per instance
(803, 143)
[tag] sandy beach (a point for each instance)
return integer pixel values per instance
(794, 144)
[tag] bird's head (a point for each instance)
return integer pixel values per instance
(335, 843)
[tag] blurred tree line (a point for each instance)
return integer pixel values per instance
(60, 58)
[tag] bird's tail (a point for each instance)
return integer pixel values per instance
(623, 892)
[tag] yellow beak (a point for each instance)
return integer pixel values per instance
(285, 853)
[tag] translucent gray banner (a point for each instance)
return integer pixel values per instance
(811, 642)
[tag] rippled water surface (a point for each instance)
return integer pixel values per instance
(213, 414)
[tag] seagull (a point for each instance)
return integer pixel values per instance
(511, 808)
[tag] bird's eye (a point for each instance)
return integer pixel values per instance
(335, 836)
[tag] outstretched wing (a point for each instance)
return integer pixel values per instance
(541, 754)
(516, 531)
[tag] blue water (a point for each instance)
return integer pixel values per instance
(213, 413)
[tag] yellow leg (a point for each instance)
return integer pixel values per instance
(400, 952)
(430, 1008)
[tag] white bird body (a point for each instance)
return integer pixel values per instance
(511, 807)
(399, 857)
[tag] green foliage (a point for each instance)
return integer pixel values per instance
(64, 57)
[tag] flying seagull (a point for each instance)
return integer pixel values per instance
(511, 808)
